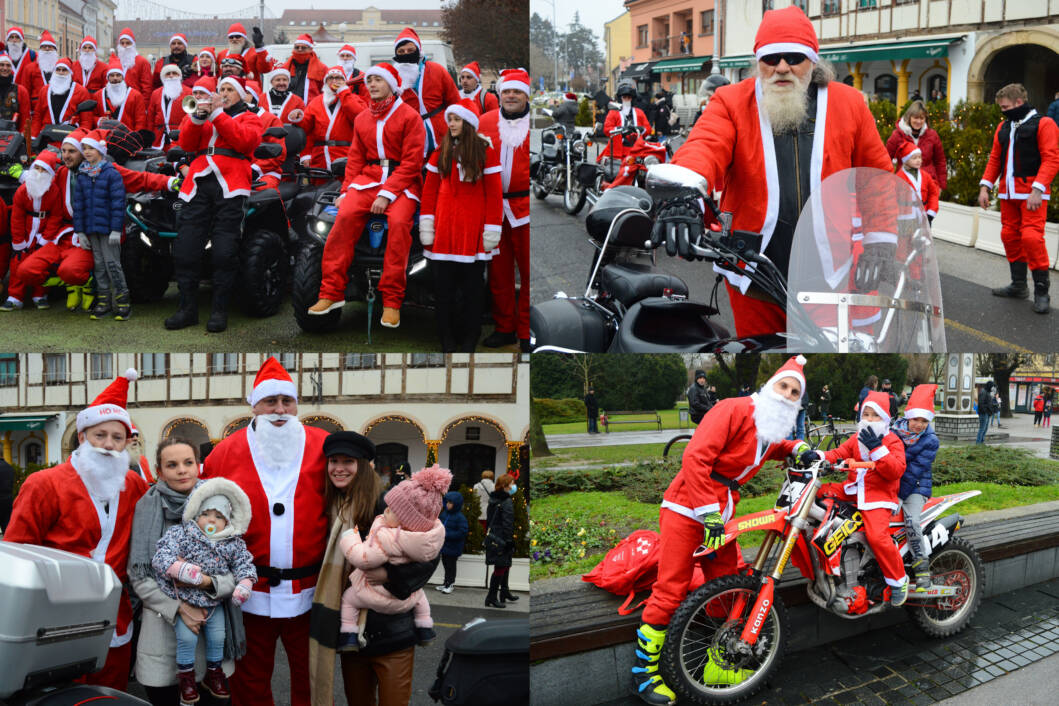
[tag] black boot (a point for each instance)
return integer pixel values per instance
(187, 314)
(122, 306)
(219, 316)
(1018, 288)
(505, 592)
(1041, 300)
(494, 587)
(497, 339)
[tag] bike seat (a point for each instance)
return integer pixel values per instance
(288, 190)
(631, 283)
(263, 196)
(657, 325)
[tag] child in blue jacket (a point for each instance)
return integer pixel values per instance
(921, 446)
(456, 531)
(98, 204)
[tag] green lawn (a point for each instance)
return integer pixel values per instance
(670, 420)
(603, 455)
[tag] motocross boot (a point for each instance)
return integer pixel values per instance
(102, 305)
(714, 674)
(88, 294)
(645, 677)
(921, 569)
(73, 297)
(1018, 288)
(1041, 300)
(122, 306)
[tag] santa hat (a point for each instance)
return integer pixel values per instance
(407, 35)
(464, 112)
(304, 39)
(210, 52)
(474, 70)
(417, 501)
(921, 402)
(272, 379)
(570, 96)
(18, 31)
(278, 71)
(786, 30)
(46, 40)
(514, 78)
(64, 61)
(348, 49)
(96, 140)
(109, 405)
(171, 67)
(880, 402)
(236, 82)
(387, 73)
(127, 34)
(6, 58)
(205, 83)
(114, 66)
(74, 139)
(49, 160)
(237, 30)
(335, 71)
(180, 36)
(234, 59)
(90, 41)
(906, 150)
(133, 429)
(793, 368)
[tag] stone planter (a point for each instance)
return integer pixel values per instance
(989, 232)
(472, 571)
(956, 224)
(1051, 241)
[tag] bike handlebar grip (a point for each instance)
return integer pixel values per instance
(861, 464)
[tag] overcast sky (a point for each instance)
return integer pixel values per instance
(592, 14)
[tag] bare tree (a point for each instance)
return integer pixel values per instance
(485, 31)
(1000, 366)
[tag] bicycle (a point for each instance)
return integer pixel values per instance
(676, 446)
(815, 435)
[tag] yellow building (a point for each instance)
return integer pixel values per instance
(68, 24)
(617, 37)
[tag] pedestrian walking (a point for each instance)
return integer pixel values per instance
(499, 541)
(456, 531)
(592, 410)
(985, 410)
(824, 401)
(1038, 409)
(1047, 418)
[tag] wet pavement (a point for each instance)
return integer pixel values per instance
(900, 665)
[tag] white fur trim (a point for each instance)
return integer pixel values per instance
(785, 48)
(517, 85)
(878, 453)
(267, 388)
(48, 167)
(179, 39)
(465, 113)
(240, 519)
(384, 75)
(101, 147)
(800, 360)
(911, 154)
(883, 413)
(234, 84)
(913, 413)
(97, 414)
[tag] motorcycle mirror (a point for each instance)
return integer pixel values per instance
(85, 106)
(268, 150)
(668, 181)
(276, 131)
(614, 106)
(338, 168)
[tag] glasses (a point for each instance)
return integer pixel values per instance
(792, 58)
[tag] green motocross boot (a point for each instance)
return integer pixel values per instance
(648, 682)
(921, 569)
(713, 674)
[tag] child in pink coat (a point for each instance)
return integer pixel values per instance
(408, 531)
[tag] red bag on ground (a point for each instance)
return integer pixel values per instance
(630, 567)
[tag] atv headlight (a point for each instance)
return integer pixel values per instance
(137, 207)
(321, 226)
(650, 160)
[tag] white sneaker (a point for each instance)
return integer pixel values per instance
(445, 589)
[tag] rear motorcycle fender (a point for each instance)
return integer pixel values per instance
(937, 533)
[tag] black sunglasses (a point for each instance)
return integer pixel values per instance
(792, 58)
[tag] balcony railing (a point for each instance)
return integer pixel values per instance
(673, 45)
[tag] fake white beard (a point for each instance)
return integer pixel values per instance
(786, 108)
(513, 132)
(87, 60)
(329, 95)
(47, 60)
(102, 471)
(774, 415)
(880, 427)
(127, 55)
(278, 445)
(347, 66)
(37, 182)
(117, 92)
(409, 74)
(60, 84)
(15, 49)
(238, 46)
(171, 88)
(626, 107)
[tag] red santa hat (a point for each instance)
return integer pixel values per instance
(407, 35)
(786, 30)
(114, 66)
(49, 160)
(18, 31)
(921, 402)
(304, 39)
(109, 406)
(96, 140)
(348, 49)
(387, 73)
(5, 58)
(46, 40)
(793, 368)
(570, 96)
(89, 41)
(126, 33)
(514, 78)
(210, 52)
(180, 37)
(417, 500)
(880, 402)
(474, 70)
(205, 83)
(65, 61)
(236, 82)
(906, 150)
(237, 30)
(335, 71)
(463, 110)
(74, 139)
(272, 379)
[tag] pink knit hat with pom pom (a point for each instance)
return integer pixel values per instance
(417, 501)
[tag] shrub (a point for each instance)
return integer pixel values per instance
(22, 473)
(559, 411)
(584, 113)
(472, 510)
(522, 528)
(993, 464)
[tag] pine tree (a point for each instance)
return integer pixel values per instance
(472, 510)
(521, 523)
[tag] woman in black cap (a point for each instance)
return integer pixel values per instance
(354, 497)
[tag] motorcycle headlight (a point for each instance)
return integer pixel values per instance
(579, 147)
(650, 160)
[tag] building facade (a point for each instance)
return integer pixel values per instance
(672, 43)
(1039, 376)
(69, 21)
(617, 43)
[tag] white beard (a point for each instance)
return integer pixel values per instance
(329, 95)
(237, 47)
(347, 66)
(409, 74)
(117, 93)
(774, 416)
(59, 84)
(103, 472)
(37, 182)
(127, 55)
(513, 132)
(171, 88)
(278, 446)
(626, 108)
(15, 50)
(880, 427)
(87, 60)
(47, 60)
(786, 108)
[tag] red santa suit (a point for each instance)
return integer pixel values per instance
(875, 490)
(329, 127)
(138, 74)
(433, 89)
(45, 115)
(26, 66)
(313, 84)
(287, 536)
(724, 453)
(615, 120)
(482, 100)
(240, 134)
(257, 63)
(385, 159)
(1025, 156)
(93, 79)
(164, 115)
(924, 186)
(25, 106)
(211, 72)
(131, 112)
(283, 110)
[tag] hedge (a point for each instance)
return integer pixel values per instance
(562, 410)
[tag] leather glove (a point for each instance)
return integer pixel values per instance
(714, 531)
(490, 240)
(241, 594)
(869, 438)
(115, 238)
(808, 458)
(875, 264)
(257, 37)
(83, 241)
(426, 231)
(677, 226)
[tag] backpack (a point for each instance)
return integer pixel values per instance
(628, 568)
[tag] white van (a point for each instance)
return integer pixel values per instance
(368, 53)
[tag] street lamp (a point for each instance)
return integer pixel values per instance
(555, 51)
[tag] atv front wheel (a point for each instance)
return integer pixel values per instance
(264, 273)
(147, 269)
(305, 290)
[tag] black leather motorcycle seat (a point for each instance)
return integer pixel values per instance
(288, 190)
(657, 325)
(629, 283)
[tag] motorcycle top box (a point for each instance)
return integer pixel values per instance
(57, 615)
(634, 229)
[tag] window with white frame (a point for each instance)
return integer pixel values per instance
(426, 360)
(359, 361)
(54, 368)
(8, 369)
(153, 365)
(224, 363)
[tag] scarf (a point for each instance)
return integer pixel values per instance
(90, 170)
(1017, 113)
(160, 507)
(906, 435)
(380, 108)
(324, 616)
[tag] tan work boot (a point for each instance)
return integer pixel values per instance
(391, 318)
(324, 306)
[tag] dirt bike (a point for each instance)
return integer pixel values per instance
(728, 636)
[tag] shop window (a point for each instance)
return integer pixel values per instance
(33, 453)
(886, 87)
(937, 87)
(54, 368)
(100, 366)
(8, 369)
(389, 456)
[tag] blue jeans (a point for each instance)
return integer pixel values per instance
(799, 426)
(983, 425)
(186, 641)
(593, 421)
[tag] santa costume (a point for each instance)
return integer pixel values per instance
(23, 57)
(20, 108)
(138, 74)
(287, 536)
(282, 104)
(347, 58)
(306, 71)
(482, 100)
(257, 63)
(511, 134)
(919, 179)
(385, 159)
(268, 172)
(119, 101)
(733, 143)
(431, 91)
(615, 120)
(164, 112)
(36, 76)
(458, 222)
(89, 71)
(59, 106)
(329, 124)
(200, 72)
(182, 60)
(55, 508)
(142, 466)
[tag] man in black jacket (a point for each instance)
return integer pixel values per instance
(825, 402)
(592, 409)
(698, 401)
(985, 410)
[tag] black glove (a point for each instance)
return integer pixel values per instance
(808, 458)
(678, 226)
(874, 265)
(869, 438)
(258, 38)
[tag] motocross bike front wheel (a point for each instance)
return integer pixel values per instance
(955, 564)
(702, 660)
(675, 447)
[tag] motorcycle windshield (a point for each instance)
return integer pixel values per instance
(863, 275)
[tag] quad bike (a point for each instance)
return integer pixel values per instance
(728, 636)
